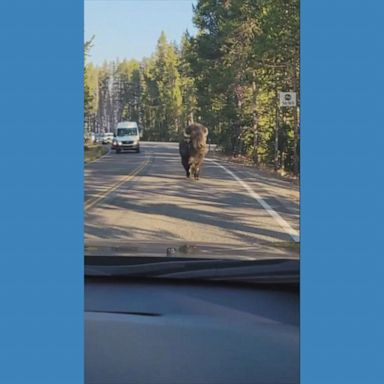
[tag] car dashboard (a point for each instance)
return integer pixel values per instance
(160, 331)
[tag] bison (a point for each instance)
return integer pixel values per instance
(193, 148)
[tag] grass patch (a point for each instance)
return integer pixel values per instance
(93, 152)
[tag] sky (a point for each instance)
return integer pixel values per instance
(130, 28)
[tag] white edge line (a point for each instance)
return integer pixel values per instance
(283, 224)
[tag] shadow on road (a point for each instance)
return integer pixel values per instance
(163, 204)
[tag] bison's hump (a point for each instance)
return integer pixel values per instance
(196, 128)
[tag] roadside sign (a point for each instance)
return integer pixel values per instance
(287, 99)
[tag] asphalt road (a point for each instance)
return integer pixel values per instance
(146, 197)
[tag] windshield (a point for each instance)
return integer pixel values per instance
(216, 172)
(126, 131)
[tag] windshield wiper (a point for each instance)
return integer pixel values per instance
(256, 271)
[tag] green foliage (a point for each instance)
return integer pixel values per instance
(243, 54)
(227, 76)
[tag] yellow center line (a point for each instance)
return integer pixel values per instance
(102, 195)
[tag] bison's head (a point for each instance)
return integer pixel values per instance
(197, 135)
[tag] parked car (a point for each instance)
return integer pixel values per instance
(107, 138)
(99, 138)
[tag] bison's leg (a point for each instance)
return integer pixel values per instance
(197, 172)
(192, 169)
(185, 162)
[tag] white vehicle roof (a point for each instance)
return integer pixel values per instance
(127, 124)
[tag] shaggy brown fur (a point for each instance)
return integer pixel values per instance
(193, 148)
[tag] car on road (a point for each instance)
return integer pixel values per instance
(107, 138)
(127, 137)
(99, 138)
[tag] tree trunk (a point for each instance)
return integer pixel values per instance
(254, 113)
(295, 127)
(276, 160)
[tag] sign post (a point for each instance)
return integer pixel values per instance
(287, 99)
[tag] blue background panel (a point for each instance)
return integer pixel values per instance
(41, 219)
(341, 203)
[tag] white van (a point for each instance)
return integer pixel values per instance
(127, 137)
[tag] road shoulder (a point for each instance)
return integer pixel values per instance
(247, 164)
(94, 152)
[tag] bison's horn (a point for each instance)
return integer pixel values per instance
(186, 135)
